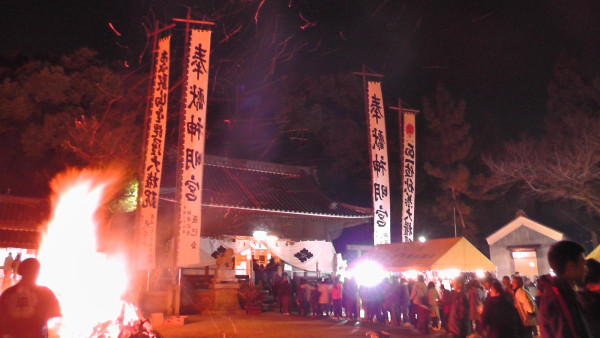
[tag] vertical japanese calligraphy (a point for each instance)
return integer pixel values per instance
(379, 164)
(408, 173)
(154, 147)
(191, 148)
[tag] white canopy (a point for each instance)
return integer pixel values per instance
(434, 254)
(595, 254)
(306, 255)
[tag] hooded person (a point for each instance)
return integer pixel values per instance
(26, 307)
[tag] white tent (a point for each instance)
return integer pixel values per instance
(434, 254)
(595, 254)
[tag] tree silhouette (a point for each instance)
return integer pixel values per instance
(446, 162)
(71, 112)
(564, 163)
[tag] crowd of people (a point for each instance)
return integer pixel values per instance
(10, 269)
(566, 305)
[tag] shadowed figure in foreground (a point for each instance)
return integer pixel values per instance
(26, 307)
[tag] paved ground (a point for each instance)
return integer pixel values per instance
(273, 324)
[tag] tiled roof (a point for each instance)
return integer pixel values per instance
(20, 221)
(271, 187)
(241, 196)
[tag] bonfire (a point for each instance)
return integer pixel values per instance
(90, 285)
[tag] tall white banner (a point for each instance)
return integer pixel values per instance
(409, 160)
(155, 144)
(379, 164)
(191, 148)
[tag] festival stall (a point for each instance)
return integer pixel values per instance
(443, 258)
(595, 254)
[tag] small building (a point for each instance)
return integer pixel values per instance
(522, 246)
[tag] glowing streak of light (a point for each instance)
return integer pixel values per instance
(113, 29)
(227, 36)
(258, 10)
(308, 23)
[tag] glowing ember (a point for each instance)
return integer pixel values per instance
(88, 284)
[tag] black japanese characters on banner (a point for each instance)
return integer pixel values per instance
(154, 145)
(379, 166)
(154, 155)
(378, 139)
(375, 108)
(199, 61)
(408, 176)
(191, 146)
(303, 255)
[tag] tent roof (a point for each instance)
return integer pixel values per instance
(434, 254)
(526, 222)
(595, 254)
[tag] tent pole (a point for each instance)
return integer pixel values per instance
(454, 214)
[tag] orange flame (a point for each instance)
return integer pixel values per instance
(88, 284)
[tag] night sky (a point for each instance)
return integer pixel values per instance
(498, 56)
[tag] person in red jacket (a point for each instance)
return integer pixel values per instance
(284, 292)
(336, 298)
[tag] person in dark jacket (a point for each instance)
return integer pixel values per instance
(500, 318)
(404, 299)
(444, 304)
(418, 295)
(26, 307)
(350, 296)
(284, 291)
(561, 314)
(589, 297)
(542, 283)
(459, 322)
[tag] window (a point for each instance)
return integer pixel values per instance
(525, 262)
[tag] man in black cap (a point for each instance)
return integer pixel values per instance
(26, 307)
